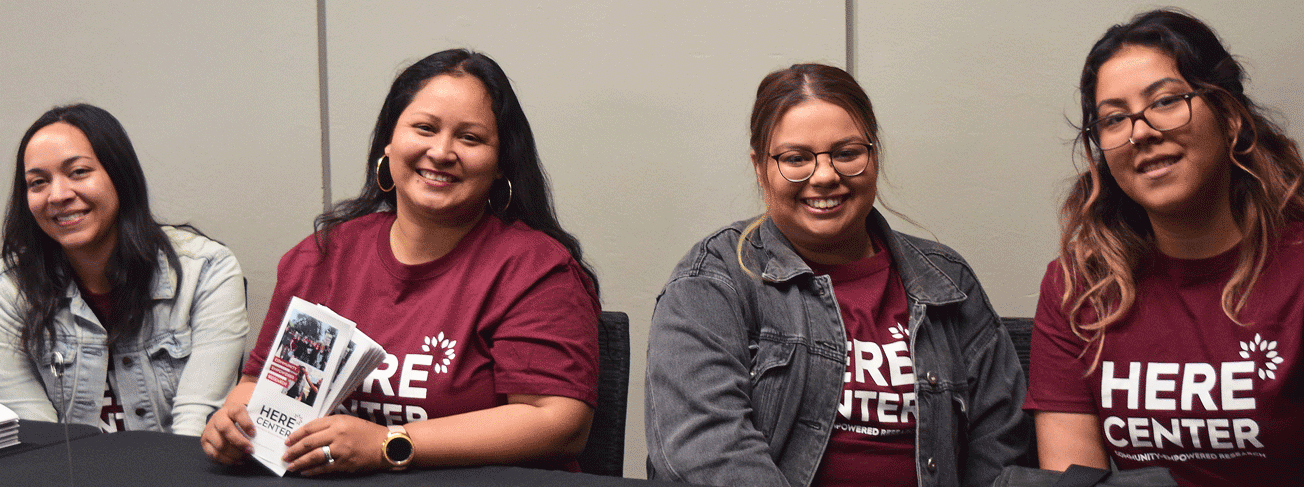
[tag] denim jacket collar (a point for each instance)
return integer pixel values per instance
(783, 264)
(164, 286)
(924, 282)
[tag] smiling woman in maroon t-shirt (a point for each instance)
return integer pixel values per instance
(452, 259)
(1169, 328)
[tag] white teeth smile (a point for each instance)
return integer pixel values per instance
(822, 203)
(434, 176)
(1156, 164)
(69, 217)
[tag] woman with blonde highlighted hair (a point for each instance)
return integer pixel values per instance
(813, 345)
(1169, 326)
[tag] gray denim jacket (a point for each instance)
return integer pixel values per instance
(744, 374)
(168, 381)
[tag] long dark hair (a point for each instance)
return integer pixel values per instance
(1107, 236)
(518, 158)
(38, 262)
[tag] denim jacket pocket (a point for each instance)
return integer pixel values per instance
(960, 425)
(56, 366)
(168, 356)
(61, 354)
(771, 381)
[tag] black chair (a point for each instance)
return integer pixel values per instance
(1020, 330)
(605, 452)
(1021, 334)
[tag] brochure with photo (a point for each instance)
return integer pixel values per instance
(317, 359)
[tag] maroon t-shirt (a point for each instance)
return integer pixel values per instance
(1179, 384)
(873, 439)
(110, 411)
(507, 311)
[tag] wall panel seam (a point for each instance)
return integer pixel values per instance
(851, 36)
(323, 102)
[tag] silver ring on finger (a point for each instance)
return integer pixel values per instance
(326, 449)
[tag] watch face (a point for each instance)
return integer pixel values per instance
(398, 450)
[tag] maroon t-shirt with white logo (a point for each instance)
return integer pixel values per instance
(873, 439)
(507, 311)
(1179, 384)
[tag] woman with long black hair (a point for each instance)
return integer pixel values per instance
(102, 309)
(452, 259)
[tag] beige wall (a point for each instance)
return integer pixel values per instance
(640, 110)
(973, 99)
(219, 98)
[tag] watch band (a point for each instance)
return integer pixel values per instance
(397, 448)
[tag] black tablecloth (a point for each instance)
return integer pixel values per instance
(149, 458)
(39, 434)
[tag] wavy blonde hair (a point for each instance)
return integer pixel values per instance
(1107, 236)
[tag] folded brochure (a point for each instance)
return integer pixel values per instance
(8, 427)
(317, 359)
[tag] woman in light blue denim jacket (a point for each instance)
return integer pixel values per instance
(758, 374)
(102, 308)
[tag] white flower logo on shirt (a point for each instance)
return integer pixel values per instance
(899, 332)
(1268, 351)
(440, 367)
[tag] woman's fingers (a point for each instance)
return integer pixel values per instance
(353, 444)
(224, 438)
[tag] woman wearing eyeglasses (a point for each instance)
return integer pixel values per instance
(813, 345)
(1170, 326)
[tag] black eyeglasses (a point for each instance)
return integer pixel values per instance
(848, 160)
(1167, 113)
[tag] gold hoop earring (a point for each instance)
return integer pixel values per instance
(509, 194)
(382, 187)
(509, 197)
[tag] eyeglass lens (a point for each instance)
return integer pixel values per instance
(798, 165)
(1115, 130)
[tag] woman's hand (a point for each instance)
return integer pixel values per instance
(527, 428)
(354, 446)
(226, 436)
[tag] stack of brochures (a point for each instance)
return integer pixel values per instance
(317, 359)
(8, 427)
